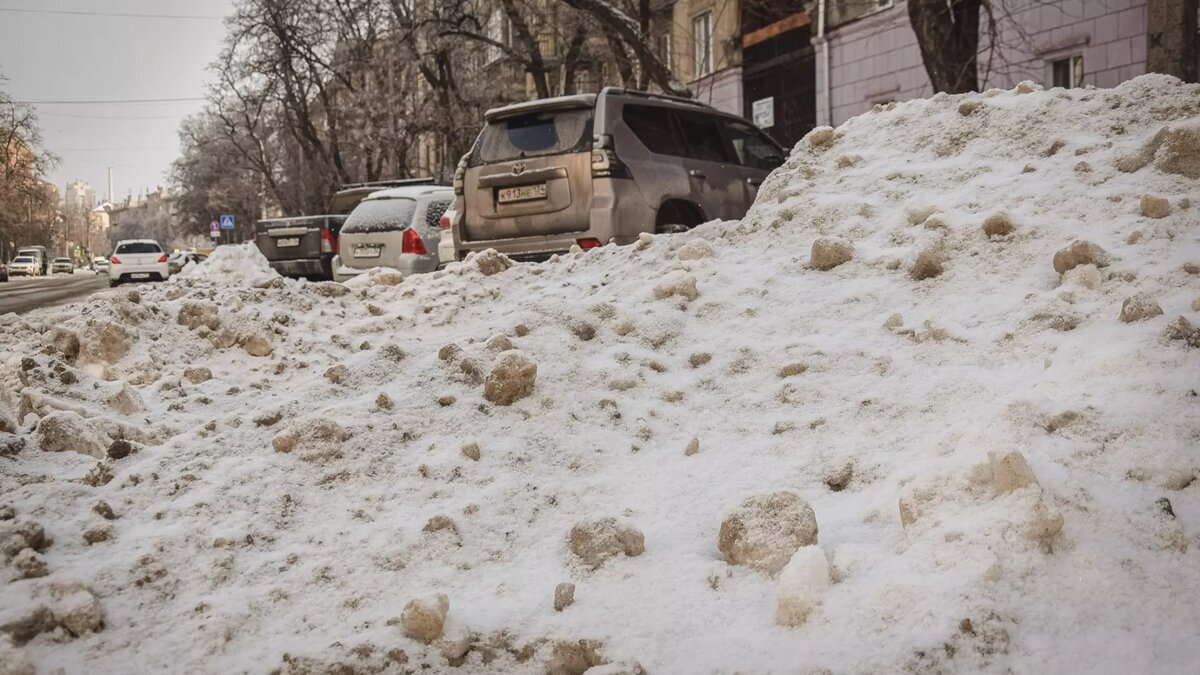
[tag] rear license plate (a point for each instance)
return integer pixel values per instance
(366, 252)
(522, 193)
(143, 275)
(284, 243)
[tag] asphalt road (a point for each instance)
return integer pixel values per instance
(22, 295)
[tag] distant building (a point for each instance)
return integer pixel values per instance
(79, 196)
(705, 51)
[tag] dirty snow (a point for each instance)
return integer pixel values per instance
(1003, 473)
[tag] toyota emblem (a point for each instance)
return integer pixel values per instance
(518, 168)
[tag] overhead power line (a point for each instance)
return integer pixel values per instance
(114, 101)
(119, 15)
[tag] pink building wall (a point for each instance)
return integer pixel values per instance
(876, 59)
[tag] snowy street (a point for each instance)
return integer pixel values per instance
(21, 295)
(931, 406)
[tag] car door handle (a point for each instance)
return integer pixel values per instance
(754, 181)
(696, 173)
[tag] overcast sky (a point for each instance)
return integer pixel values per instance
(57, 57)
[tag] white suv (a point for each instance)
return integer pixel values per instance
(137, 260)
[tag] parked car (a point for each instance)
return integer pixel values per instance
(137, 260)
(393, 228)
(178, 260)
(348, 197)
(41, 258)
(446, 240)
(24, 266)
(63, 265)
(597, 168)
(300, 247)
(100, 265)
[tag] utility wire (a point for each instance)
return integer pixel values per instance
(120, 15)
(114, 101)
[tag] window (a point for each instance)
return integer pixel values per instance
(380, 215)
(1067, 72)
(702, 38)
(751, 148)
(533, 135)
(652, 125)
(703, 136)
(139, 247)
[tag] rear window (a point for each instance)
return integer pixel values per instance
(380, 215)
(534, 135)
(139, 247)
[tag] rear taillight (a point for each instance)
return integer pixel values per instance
(163, 259)
(604, 159)
(585, 244)
(328, 243)
(413, 243)
(444, 223)
(115, 260)
(459, 172)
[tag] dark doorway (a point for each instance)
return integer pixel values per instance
(778, 63)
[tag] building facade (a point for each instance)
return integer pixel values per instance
(705, 51)
(873, 55)
(79, 196)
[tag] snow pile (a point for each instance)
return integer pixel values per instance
(961, 440)
(235, 265)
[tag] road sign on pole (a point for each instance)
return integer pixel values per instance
(214, 226)
(215, 234)
(226, 222)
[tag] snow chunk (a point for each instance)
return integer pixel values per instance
(766, 530)
(1154, 207)
(829, 252)
(1080, 252)
(232, 265)
(490, 262)
(1139, 307)
(1010, 472)
(423, 618)
(676, 283)
(64, 431)
(696, 249)
(595, 541)
(512, 378)
(801, 584)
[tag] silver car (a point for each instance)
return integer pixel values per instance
(24, 265)
(63, 266)
(395, 228)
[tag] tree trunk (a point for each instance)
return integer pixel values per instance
(1172, 46)
(536, 67)
(948, 34)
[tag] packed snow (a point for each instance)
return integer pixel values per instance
(930, 406)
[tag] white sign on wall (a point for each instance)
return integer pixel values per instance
(763, 112)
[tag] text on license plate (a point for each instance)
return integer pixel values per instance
(521, 194)
(366, 252)
(143, 275)
(284, 243)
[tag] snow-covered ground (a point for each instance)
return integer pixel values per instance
(1001, 459)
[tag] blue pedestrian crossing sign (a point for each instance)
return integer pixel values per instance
(227, 222)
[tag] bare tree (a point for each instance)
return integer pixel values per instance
(948, 34)
(27, 203)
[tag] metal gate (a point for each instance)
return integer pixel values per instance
(783, 67)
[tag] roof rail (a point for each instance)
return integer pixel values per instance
(647, 94)
(399, 182)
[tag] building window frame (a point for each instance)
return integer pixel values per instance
(1065, 70)
(702, 44)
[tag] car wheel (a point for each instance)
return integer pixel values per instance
(671, 228)
(113, 283)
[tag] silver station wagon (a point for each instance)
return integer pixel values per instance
(395, 228)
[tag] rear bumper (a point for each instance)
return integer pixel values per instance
(304, 267)
(407, 264)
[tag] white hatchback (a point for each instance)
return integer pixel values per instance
(137, 260)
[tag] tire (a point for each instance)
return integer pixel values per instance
(670, 228)
(113, 283)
